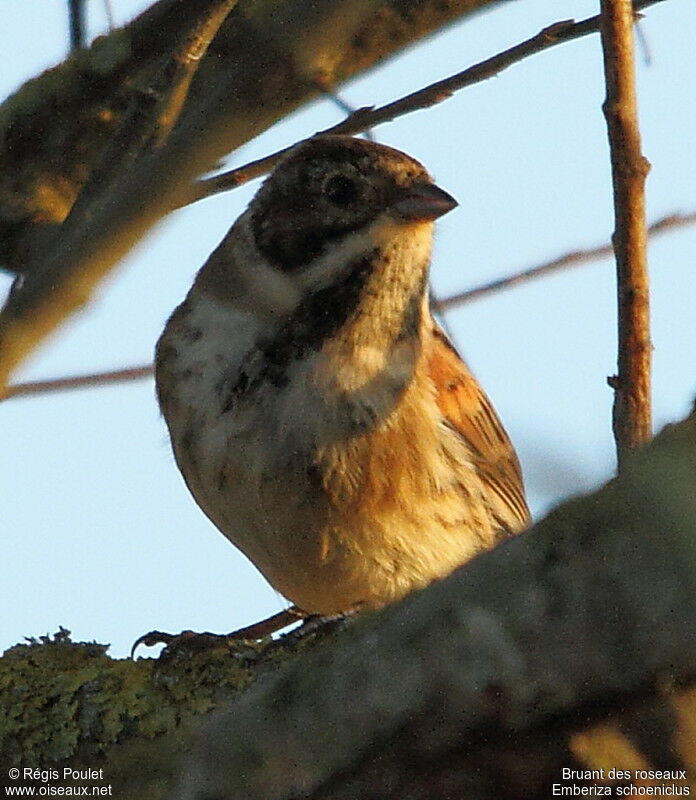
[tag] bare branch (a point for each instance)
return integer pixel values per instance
(339, 102)
(109, 14)
(151, 117)
(76, 16)
(262, 67)
(369, 117)
(632, 402)
(79, 381)
(571, 259)
(60, 279)
(643, 42)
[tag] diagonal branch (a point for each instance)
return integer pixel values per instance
(571, 259)
(150, 118)
(369, 117)
(267, 60)
(632, 402)
(79, 381)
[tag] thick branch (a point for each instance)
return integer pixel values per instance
(487, 684)
(185, 64)
(62, 269)
(153, 111)
(632, 398)
(265, 62)
(68, 273)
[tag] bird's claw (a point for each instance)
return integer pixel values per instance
(196, 642)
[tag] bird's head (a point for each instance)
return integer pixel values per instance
(336, 190)
(341, 230)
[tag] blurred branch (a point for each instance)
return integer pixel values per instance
(572, 259)
(154, 109)
(642, 40)
(51, 289)
(109, 14)
(79, 381)
(59, 278)
(369, 117)
(182, 67)
(339, 102)
(632, 421)
(264, 64)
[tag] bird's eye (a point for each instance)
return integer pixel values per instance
(341, 190)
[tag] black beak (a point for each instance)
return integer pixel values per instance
(423, 202)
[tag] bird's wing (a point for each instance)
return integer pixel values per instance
(469, 412)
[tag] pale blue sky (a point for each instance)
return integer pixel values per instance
(100, 534)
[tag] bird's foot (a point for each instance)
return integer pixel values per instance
(193, 642)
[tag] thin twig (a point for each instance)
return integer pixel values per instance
(109, 15)
(642, 40)
(79, 381)
(571, 259)
(574, 258)
(632, 420)
(182, 67)
(436, 306)
(369, 117)
(76, 15)
(338, 101)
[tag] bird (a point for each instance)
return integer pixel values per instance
(319, 415)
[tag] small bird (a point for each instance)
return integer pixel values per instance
(319, 415)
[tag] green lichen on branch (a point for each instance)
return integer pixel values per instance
(62, 700)
(65, 702)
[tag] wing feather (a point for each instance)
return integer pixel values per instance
(469, 412)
